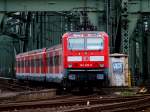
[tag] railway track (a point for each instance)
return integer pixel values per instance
(74, 104)
(125, 106)
(70, 103)
(10, 84)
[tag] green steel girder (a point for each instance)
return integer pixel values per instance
(1, 17)
(48, 5)
(136, 6)
(134, 42)
(124, 27)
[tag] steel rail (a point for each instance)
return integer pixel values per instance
(63, 102)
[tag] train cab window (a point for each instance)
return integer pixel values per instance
(95, 44)
(76, 43)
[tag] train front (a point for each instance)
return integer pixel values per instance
(85, 57)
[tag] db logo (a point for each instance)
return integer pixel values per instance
(85, 58)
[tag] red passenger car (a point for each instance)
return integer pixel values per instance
(82, 57)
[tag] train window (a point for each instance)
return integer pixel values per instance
(31, 63)
(56, 60)
(34, 61)
(28, 63)
(94, 44)
(21, 63)
(37, 62)
(17, 64)
(41, 62)
(50, 61)
(76, 43)
(24, 63)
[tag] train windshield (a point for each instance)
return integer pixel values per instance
(89, 43)
(76, 43)
(94, 44)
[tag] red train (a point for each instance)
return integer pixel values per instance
(81, 58)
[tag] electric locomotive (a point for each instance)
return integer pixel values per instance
(86, 57)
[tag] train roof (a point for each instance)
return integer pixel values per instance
(39, 51)
(30, 52)
(95, 32)
(86, 32)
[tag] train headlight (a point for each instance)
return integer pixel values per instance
(96, 58)
(74, 58)
(70, 65)
(72, 77)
